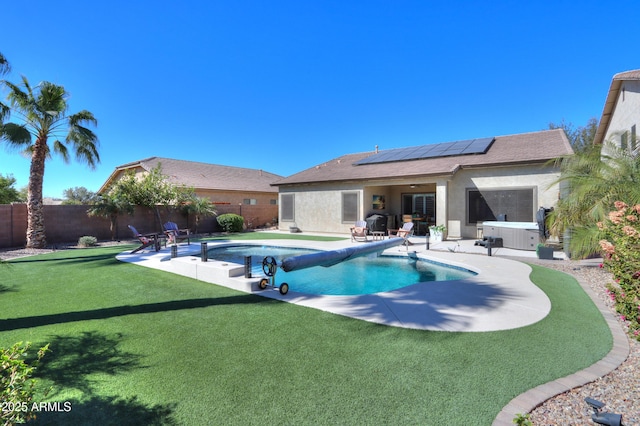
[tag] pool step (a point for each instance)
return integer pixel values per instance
(212, 271)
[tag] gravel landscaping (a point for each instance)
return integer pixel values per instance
(619, 390)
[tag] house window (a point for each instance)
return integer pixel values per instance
(250, 201)
(634, 141)
(486, 205)
(349, 207)
(287, 210)
(623, 141)
(273, 201)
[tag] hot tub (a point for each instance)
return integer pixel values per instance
(516, 235)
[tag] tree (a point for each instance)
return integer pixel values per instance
(153, 191)
(43, 111)
(8, 194)
(23, 193)
(591, 183)
(200, 207)
(79, 195)
(110, 206)
(580, 138)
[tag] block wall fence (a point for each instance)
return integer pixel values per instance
(65, 224)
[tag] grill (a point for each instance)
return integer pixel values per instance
(377, 222)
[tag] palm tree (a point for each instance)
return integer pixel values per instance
(591, 183)
(200, 207)
(43, 114)
(110, 206)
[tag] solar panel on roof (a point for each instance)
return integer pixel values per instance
(446, 149)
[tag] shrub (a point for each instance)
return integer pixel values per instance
(231, 222)
(16, 384)
(522, 420)
(87, 241)
(621, 252)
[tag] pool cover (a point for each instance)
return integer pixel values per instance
(332, 257)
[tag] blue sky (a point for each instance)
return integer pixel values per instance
(285, 85)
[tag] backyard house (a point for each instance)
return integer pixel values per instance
(621, 113)
(456, 184)
(244, 191)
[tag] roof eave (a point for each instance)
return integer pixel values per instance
(611, 101)
(609, 107)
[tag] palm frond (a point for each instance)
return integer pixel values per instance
(51, 100)
(81, 118)
(5, 67)
(4, 112)
(60, 148)
(16, 135)
(18, 99)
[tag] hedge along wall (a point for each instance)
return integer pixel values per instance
(64, 224)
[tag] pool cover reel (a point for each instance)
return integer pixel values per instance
(333, 257)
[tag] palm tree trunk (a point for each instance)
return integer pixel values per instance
(36, 237)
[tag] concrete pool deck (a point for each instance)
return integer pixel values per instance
(500, 297)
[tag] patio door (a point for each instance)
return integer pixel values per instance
(422, 207)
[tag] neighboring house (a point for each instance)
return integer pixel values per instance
(235, 187)
(456, 184)
(621, 113)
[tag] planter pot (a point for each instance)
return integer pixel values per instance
(435, 237)
(545, 253)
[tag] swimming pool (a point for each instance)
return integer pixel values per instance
(361, 275)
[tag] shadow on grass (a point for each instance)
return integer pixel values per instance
(111, 257)
(7, 288)
(108, 410)
(72, 359)
(71, 363)
(117, 311)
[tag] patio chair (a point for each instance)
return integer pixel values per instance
(405, 232)
(174, 234)
(359, 231)
(146, 240)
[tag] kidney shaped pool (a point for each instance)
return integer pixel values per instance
(368, 274)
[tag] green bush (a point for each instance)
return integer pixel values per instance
(621, 247)
(231, 222)
(522, 420)
(87, 241)
(16, 384)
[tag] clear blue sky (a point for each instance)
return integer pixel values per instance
(285, 85)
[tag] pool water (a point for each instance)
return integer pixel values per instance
(361, 275)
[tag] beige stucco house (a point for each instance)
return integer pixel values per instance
(456, 184)
(232, 189)
(621, 113)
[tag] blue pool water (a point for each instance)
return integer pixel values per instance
(361, 275)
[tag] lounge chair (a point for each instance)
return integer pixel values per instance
(359, 231)
(146, 240)
(174, 234)
(405, 232)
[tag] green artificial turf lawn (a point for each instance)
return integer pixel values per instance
(132, 345)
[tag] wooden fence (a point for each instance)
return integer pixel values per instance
(64, 224)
